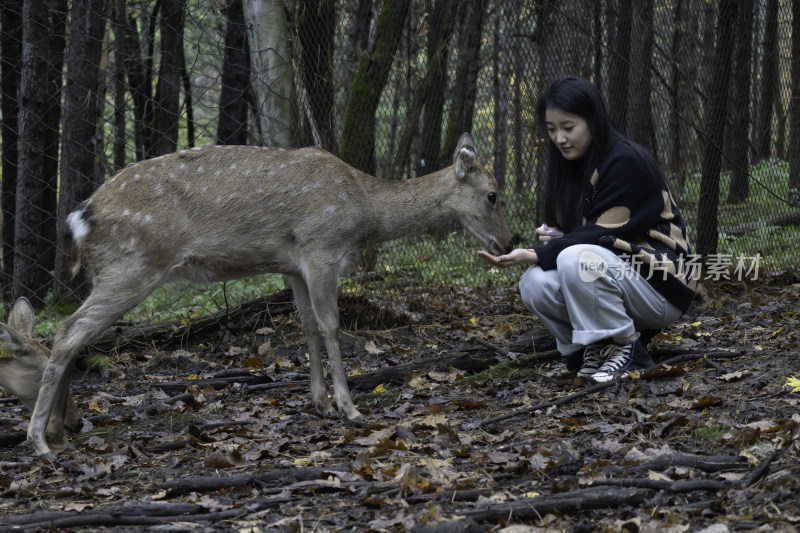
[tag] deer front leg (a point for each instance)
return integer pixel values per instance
(319, 394)
(322, 290)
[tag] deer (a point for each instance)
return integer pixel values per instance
(218, 213)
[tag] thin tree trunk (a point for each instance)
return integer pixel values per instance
(233, 106)
(167, 114)
(794, 111)
(769, 83)
(31, 276)
(10, 67)
(272, 71)
(441, 24)
(119, 26)
(739, 132)
(619, 68)
(316, 24)
(640, 115)
(462, 106)
(357, 42)
(505, 28)
(82, 104)
(715, 126)
(357, 145)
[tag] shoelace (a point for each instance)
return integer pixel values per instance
(595, 356)
(618, 358)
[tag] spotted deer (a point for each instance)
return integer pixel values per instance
(224, 212)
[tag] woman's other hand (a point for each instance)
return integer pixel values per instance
(547, 233)
(520, 256)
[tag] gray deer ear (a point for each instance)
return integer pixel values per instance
(21, 316)
(464, 156)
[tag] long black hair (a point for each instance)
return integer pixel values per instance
(565, 181)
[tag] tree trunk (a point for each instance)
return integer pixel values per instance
(271, 69)
(462, 102)
(640, 115)
(82, 105)
(794, 112)
(358, 31)
(768, 84)
(168, 89)
(715, 129)
(357, 146)
(682, 96)
(34, 215)
(10, 67)
(619, 69)
(139, 72)
(504, 31)
(316, 23)
(429, 145)
(739, 131)
(233, 105)
(120, 141)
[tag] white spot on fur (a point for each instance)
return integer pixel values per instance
(201, 169)
(148, 218)
(126, 212)
(331, 209)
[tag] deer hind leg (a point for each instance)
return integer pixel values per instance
(319, 395)
(111, 298)
(321, 284)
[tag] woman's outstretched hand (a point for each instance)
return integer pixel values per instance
(520, 256)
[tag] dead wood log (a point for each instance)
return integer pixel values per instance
(283, 475)
(135, 515)
(251, 314)
(469, 358)
(706, 463)
(789, 219)
(664, 485)
(589, 498)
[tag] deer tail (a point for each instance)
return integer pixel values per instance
(80, 223)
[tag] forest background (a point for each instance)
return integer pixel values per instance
(89, 86)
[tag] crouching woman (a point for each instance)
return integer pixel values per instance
(614, 254)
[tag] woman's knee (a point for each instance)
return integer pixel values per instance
(581, 263)
(538, 287)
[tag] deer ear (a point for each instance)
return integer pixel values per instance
(21, 316)
(464, 156)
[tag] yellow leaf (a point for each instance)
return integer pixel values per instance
(794, 383)
(94, 407)
(474, 320)
(379, 389)
(776, 333)
(192, 377)
(531, 494)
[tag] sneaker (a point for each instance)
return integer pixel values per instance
(621, 358)
(593, 358)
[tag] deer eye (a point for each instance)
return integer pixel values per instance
(492, 196)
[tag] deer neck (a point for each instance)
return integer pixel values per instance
(405, 207)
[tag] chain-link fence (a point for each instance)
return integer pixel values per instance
(89, 86)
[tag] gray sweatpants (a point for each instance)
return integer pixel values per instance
(593, 295)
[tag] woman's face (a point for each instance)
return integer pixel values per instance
(570, 133)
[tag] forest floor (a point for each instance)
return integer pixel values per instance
(473, 424)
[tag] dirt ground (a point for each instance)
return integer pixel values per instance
(473, 425)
